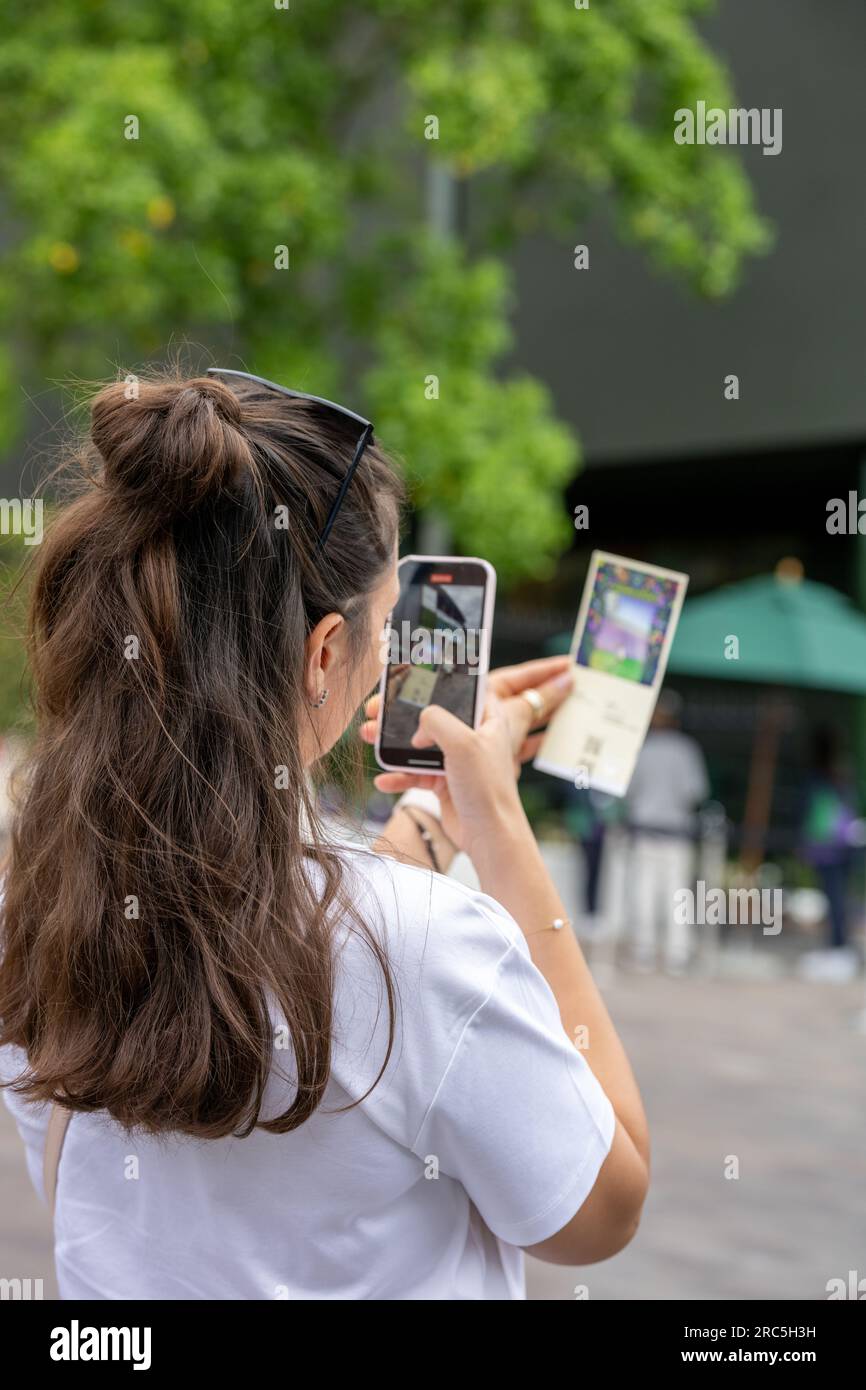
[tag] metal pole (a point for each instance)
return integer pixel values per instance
(434, 533)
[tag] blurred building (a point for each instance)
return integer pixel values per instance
(674, 472)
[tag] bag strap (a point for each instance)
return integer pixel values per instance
(58, 1123)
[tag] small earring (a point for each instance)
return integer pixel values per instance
(317, 704)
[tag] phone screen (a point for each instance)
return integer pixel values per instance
(436, 652)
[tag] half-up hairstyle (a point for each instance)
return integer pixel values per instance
(159, 904)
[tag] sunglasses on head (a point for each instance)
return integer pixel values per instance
(363, 441)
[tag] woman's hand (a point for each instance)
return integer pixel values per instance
(482, 765)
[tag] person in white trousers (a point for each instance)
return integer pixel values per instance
(669, 782)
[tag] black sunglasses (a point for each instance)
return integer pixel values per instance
(366, 435)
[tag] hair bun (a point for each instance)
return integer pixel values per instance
(169, 445)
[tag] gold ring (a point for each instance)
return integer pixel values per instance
(536, 701)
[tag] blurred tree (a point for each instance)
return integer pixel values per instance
(157, 157)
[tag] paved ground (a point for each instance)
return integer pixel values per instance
(772, 1074)
(25, 1246)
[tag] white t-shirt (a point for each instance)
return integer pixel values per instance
(486, 1132)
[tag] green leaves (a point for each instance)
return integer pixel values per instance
(305, 128)
(487, 454)
(489, 98)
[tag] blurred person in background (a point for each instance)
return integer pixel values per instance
(587, 815)
(828, 828)
(670, 781)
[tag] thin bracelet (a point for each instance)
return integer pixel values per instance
(426, 837)
(556, 925)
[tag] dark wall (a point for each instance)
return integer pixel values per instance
(637, 362)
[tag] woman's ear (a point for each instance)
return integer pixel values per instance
(325, 650)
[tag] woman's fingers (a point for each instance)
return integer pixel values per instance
(405, 781)
(507, 680)
(553, 692)
(510, 680)
(438, 725)
(551, 676)
(527, 715)
(529, 747)
(504, 681)
(370, 723)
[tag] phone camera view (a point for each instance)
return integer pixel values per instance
(434, 649)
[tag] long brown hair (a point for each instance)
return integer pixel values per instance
(159, 904)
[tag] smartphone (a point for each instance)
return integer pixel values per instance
(436, 652)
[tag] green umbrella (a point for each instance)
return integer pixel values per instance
(776, 630)
(787, 631)
(779, 630)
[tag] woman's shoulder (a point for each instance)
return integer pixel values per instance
(443, 925)
(418, 894)
(450, 949)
